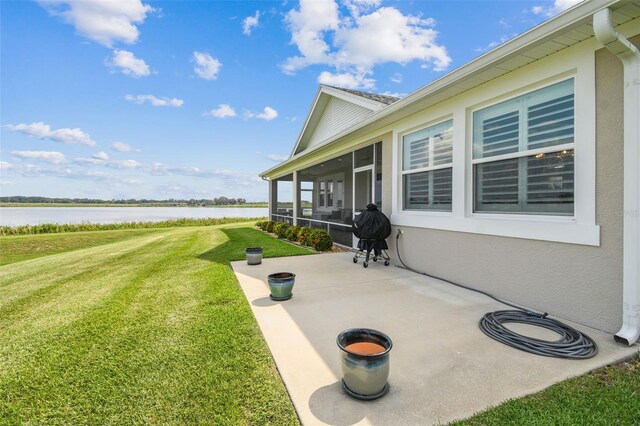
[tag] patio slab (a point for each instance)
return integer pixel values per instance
(442, 366)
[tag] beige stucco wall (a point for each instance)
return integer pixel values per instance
(576, 282)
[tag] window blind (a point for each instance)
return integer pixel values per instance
(531, 179)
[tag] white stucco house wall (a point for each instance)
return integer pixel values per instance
(517, 173)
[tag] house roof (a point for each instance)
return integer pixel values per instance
(560, 32)
(383, 99)
(367, 104)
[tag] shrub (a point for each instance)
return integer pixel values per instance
(320, 240)
(291, 233)
(261, 224)
(280, 229)
(270, 225)
(303, 233)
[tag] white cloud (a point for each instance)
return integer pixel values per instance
(394, 94)
(356, 7)
(101, 155)
(38, 130)
(308, 25)
(128, 64)
(267, 113)
(223, 111)
(53, 157)
(105, 22)
(140, 99)
(123, 147)
(41, 130)
(249, 22)
(349, 80)
(4, 165)
(493, 44)
(277, 158)
(207, 66)
(396, 38)
(396, 78)
(558, 6)
(123, 164)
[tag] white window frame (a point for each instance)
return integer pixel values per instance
(430, 168)
(336, 193)
(577, 62)
(522, 152)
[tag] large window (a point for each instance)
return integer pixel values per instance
(523, 153)
(427, 168)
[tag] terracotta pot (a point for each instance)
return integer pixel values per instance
(364, 356)
(281, 285)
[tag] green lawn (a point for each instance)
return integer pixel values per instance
(149, 328)
(607, 396)
(15, 248)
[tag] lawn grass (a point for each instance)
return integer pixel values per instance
(606, 396)
(149, 329)
(15, 248)
(149, 326)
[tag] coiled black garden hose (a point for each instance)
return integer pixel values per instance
(572, 343)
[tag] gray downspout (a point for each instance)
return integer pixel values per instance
(630, 57)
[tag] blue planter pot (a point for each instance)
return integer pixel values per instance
(364, 372)
(281, 285)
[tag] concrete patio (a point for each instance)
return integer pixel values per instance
(442, 366)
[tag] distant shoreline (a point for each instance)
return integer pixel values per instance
(246, 205)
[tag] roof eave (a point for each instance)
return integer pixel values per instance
(573, 17)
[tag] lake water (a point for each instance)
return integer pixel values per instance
(15, 216)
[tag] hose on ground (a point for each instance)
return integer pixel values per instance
(572, 343)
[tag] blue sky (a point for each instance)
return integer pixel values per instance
(192, 99)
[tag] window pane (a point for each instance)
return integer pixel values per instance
(547, 179)
(496, 129)
(497, 186)
(546, 116)
(550, 182)
(551, 123)
(428, 190)
(363, 157)
(428, 147)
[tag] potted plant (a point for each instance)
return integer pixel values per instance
(364, 356)
(281, 285)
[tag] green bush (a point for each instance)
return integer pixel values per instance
(270, 225)
(261, 224)
(280, 229)
(317, 239)
(303, 233)
(320, 240)
(291, 233)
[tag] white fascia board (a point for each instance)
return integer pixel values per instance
(354, 99)
(306, 123)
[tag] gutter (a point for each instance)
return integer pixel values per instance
(630, 57)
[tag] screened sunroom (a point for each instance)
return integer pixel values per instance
(329, 194)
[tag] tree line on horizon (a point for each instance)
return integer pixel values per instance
(218, 201)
